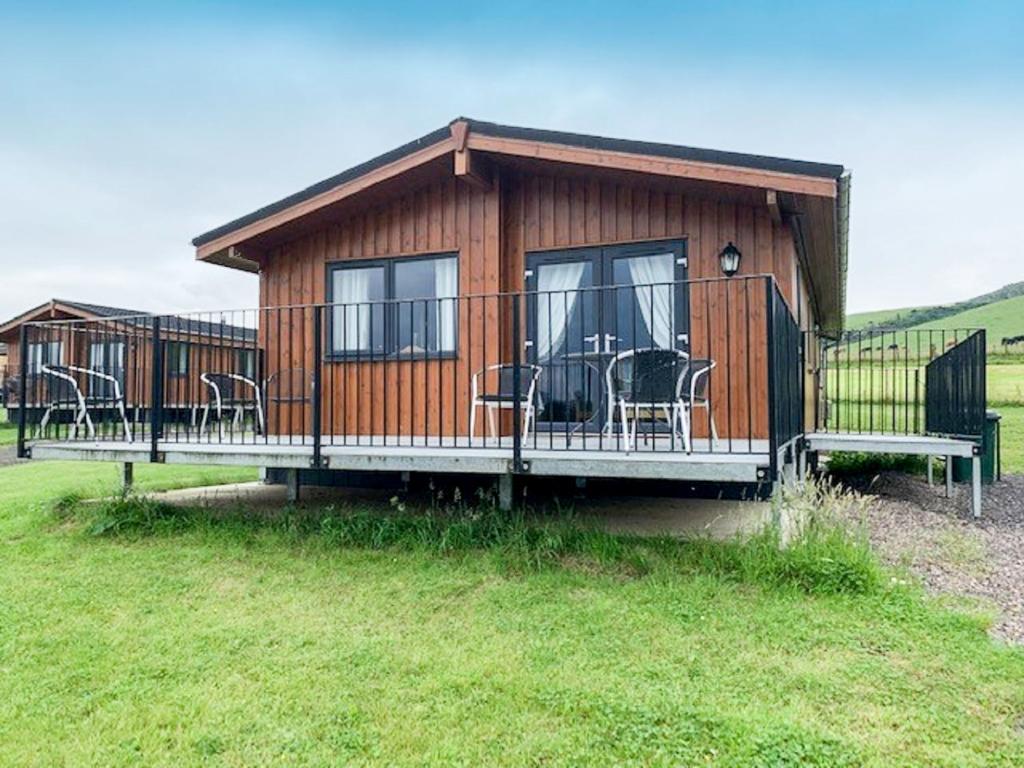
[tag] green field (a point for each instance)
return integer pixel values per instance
(999, 319)
(880, 318)
(190, 639)
(8, 431)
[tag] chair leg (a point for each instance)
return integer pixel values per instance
(714, 429)
(206, 416)
(624, 417)
(684, 427)
(490, 421)
(124, 420)
(472, 420)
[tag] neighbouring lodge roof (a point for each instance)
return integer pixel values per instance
(648, 148)
(135, 317)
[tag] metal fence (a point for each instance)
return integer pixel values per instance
(702, 366)
(955, 390)
(875, 381)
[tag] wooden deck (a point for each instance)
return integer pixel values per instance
(659, 458)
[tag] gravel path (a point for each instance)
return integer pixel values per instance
(915, 525)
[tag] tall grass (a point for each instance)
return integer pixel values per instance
(823, 554)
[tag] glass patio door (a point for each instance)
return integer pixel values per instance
(563, 318)
(588, 305)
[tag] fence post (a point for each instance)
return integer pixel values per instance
(317, 380)
(156, 405)
(22, 391)
(773, 437)
(517, 389)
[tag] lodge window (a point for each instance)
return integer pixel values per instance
(44, 353)
(399, 306)
(177, 358)
(106, 357)
(245, 363)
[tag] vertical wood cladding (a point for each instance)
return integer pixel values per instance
(492, 231)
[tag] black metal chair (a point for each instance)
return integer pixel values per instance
(504, 396)
(658, 380)
(230, 392)
(63, 390)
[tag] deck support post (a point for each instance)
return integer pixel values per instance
(127, 476)
(931, 471)
(976, 485)
(949, 477)
(505, 492)
(293, 485)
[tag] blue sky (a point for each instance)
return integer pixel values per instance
(126, 130)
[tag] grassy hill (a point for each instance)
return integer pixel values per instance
(999, 319)
(939, 315)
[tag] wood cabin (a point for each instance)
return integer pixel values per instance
(481, 212)
(74, 345)
(508, 301)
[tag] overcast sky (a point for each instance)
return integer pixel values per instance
(124, 133)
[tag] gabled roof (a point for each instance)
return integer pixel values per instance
(136, 317)
(495, 130)
(814, 197)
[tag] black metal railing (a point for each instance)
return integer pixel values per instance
(785, 371)
(874, 381)
(955, 399)
(700, 367)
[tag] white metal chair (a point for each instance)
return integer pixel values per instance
(658, 380)
(223, 397)
(69, 387)
(504, 397)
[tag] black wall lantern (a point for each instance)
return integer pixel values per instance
(729, 258)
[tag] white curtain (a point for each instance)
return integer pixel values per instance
(352, 322)
(446, 288)
(656, 303)
(557, 295)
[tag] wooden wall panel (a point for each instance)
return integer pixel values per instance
(727, 317)
(492, 231)
(440, 216)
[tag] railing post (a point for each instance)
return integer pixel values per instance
(23, 391)
(156, 405)
(317, 381)
(773, 437)
(517, 389)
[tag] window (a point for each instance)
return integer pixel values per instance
(407, 307)
(106, 357)
(177, 358)
(245, 363)
(357, 324)
(44, 353)
(426, 326)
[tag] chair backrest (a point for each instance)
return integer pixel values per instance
(694, 370)
(506, 380)
(648, 375)
(229, 388)
(59, 389)
(291, 385)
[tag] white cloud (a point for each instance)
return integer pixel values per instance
(138, 146)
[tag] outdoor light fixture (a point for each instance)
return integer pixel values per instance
(729, 258)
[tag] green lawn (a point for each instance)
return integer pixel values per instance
(209, 641)
(8, 431)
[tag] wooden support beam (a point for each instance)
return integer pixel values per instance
(772, 198)
(474, 169)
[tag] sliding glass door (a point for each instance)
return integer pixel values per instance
(588, 305)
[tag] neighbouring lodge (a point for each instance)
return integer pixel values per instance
(500, 301)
